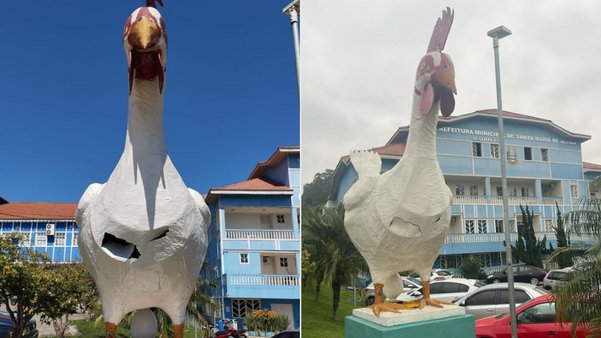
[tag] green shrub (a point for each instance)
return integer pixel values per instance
(262, 321)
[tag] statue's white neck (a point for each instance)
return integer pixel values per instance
(422, 131)
(145, 120)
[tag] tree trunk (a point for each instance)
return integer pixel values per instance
(304, 282)
(336, 299)
(60, 326)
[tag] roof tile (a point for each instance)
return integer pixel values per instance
(33, 210)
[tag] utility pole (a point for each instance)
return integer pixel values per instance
(293, 10)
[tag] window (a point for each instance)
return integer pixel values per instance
(283, 262)
(26, 239)
(476, 149)
(520, 297)
(459, 190)
(544, 155)
(240, 307)
(499, 191)
(436, 288)
(554, 275)
(525, 192)
(574, 190)
(482, 298)
(469, 226)
(450, 287)
(280, 219)
(527, 153)
(538, 314)
(494, 150)
(74, 239)
(513, 191)
(243, 258)
(499, 226)
(548, 225)
(482, 226)
(60, 239)
(41, 239)
(473, 190)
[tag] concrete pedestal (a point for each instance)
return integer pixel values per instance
(459, 326)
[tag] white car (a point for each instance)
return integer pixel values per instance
(436, 274)
(445, 290)
(552, 278)
(409, 284)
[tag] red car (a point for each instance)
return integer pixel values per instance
(535, 319)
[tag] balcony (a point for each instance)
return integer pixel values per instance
(263, 286)
(259, 234)
(261, 240)
(512, 200)
(493, 242)
(271, 280)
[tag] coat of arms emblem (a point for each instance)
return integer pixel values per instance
(512, 156)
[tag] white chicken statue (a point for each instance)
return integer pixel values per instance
(399, 220)
(143, 233)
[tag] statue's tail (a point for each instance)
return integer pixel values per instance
(366, 163)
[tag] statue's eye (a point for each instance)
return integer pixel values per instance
(446, 66)
(423, 66)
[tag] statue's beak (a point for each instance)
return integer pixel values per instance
(144, 34)
(445, 78)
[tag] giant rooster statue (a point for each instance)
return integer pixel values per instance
(399, 220)
(143, 233)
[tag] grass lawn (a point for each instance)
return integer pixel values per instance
(88, 330)
(317, 316)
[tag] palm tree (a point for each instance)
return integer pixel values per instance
(336, 258)
(579, 301)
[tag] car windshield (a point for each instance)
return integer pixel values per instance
(415, 280)
(516, 309)
(479, 284)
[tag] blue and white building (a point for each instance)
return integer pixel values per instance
(254, 240)
(545, 172)
(47, 227)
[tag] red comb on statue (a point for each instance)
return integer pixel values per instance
(441, 31)
(152, 3)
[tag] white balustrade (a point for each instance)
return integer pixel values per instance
(239, 234)
(500, 237)
(552, 200)
(466, 199)
(271, 280)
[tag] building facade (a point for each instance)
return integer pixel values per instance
(47, 227)
(254, 240)
(545, 172)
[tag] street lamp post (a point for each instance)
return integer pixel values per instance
(496, 34)
(293, 10)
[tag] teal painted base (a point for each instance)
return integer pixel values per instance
(450, 327)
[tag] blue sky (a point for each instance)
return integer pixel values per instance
(231, 96)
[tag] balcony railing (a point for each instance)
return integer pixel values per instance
(270, 280)
(470, 199)
(515, 200)
(552, 200)
(259, 234)
(500, 237)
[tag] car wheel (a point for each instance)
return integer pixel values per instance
(496, 281)
(534, 281)
(370, 301)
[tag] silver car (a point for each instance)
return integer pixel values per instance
(552, 278)
(445, 290)
(493, 299)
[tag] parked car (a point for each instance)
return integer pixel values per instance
(521, 273)
(409, 284)
(535, 318)
(288, 334)
(446, 290)
(436, 274)
(552, 278)
(494, 299)
(6, 326)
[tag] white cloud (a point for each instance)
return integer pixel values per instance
(359, 58)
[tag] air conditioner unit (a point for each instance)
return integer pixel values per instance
(453, 219)
(50, 229)
(266, 260)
